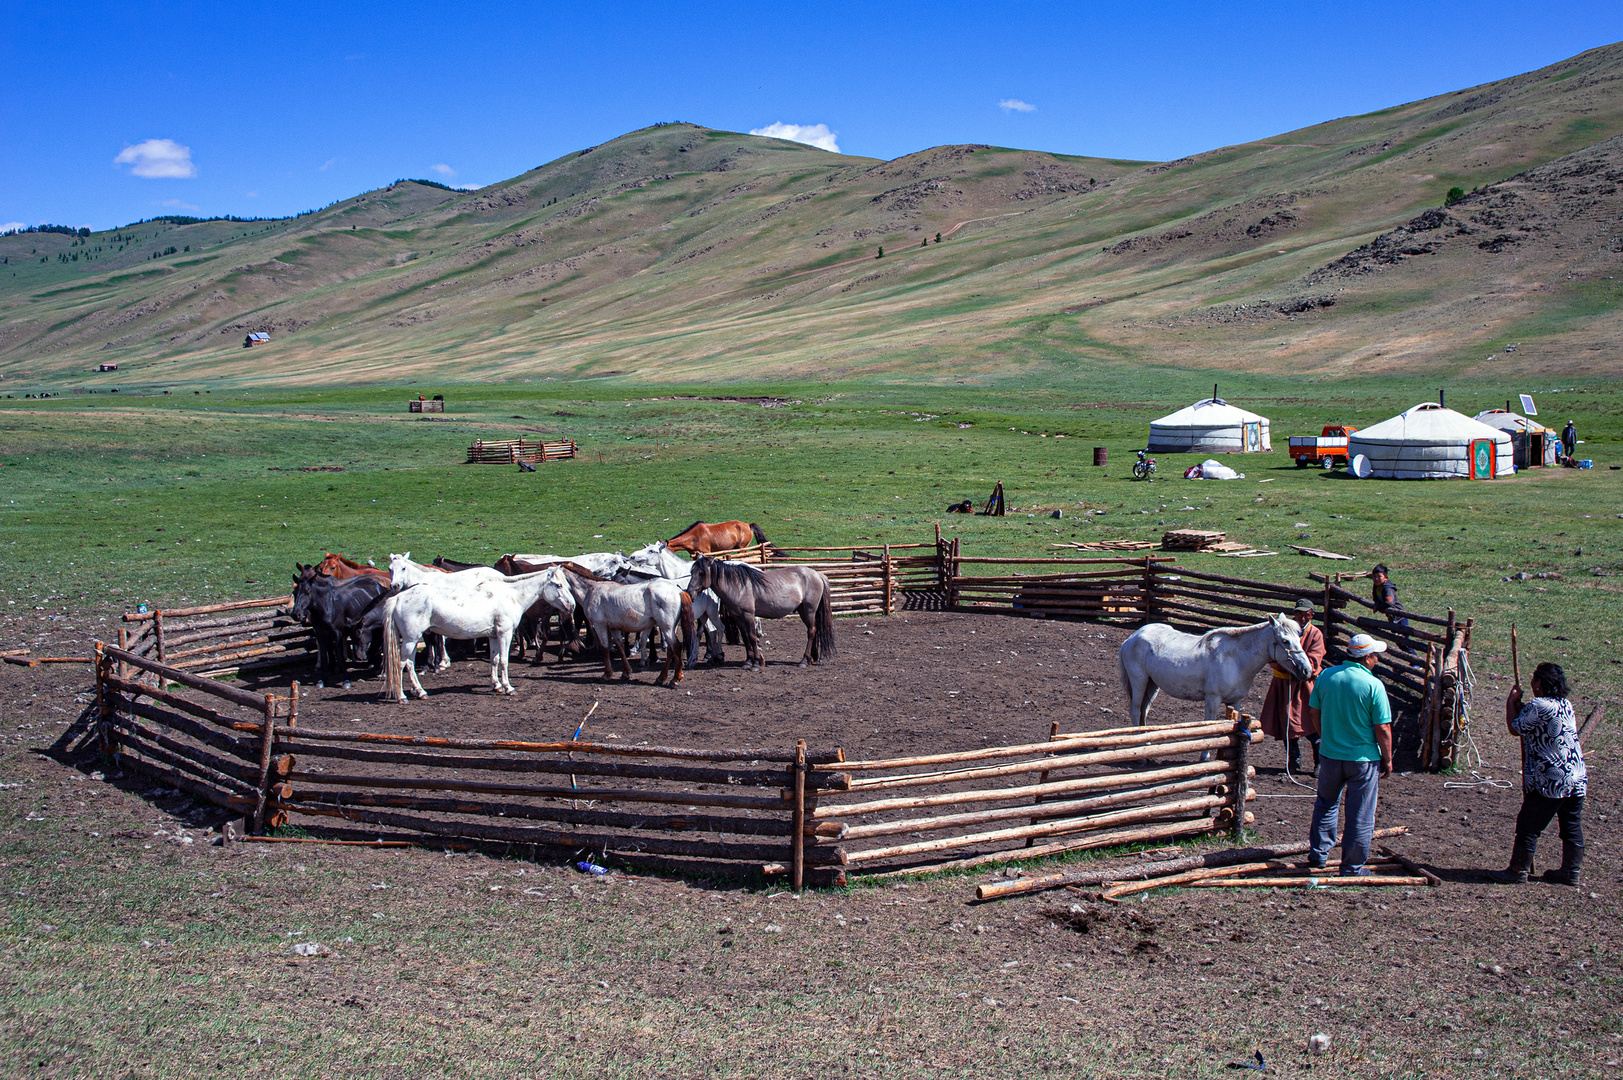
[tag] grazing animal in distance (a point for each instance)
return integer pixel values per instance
(612, 608)
(703, 538)
(1217, 667)
(772, 593)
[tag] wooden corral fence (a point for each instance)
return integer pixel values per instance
(866, 580)
(418, 405)
(791, 812)
(220, 639)
(513, 451)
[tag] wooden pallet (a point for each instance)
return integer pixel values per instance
(1191, 539)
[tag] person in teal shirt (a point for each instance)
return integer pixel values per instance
(1355, 751)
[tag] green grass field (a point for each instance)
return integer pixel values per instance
(115, 501)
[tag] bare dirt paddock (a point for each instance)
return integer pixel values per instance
(135, 946)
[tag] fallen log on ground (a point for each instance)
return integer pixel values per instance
(997, 890)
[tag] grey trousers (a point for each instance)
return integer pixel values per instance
(1362, 781)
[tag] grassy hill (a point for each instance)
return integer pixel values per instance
(682, 253)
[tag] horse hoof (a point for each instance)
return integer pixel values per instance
(802, 663)
(320, 685)
(344, 684)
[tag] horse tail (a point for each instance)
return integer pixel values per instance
(392, 688)
(824, 639)
(688, 629)
(760, 537)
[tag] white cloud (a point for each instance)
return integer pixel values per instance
(468, 187)
(329, 163)
(178, 205)
(1016, 105)
(253, 194)
(444, 170)
(817, 135)
(13, 226)
(158, 159)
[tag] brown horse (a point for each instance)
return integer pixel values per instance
(335, 565)
(702, 538)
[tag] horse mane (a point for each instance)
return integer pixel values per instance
(736, 571)
(351, 563)
(1234, 631)
(579, 571)
(689, 529)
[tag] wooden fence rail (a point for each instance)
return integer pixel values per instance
(513, 451)
(220, 639)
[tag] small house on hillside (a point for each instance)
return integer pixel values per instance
(255, 339)
(107, 367)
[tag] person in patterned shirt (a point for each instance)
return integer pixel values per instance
(1554, 779)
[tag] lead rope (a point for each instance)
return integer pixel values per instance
(1463, 693)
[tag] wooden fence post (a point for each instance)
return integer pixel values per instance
(952, 576)
(1329, 616)
(157, 636)
(1242, 766)
(104, 704)
(267, 746)
(797, 820)
(888, 580)
(1147, 607)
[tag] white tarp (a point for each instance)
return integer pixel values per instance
(1429, 442)
(1212, 426)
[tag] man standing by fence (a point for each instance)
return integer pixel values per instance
(1354, 718)
(1285, 706)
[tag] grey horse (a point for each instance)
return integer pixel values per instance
(772, 593)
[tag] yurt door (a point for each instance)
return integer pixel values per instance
(1482, 459)
(1253, 437)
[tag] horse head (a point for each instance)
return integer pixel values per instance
(702, 575)
(399, 565)
(1286, 648)
(303, 592)
(556, 590)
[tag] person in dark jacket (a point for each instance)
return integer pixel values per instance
(1387, 602)
(1554, 778)
(1569, 439)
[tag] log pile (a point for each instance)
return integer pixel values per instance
(220, 639)
(1192, 539)
(514, 451)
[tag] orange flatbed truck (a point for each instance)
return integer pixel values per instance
(1325, 451)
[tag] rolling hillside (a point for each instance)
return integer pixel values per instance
(680, 252)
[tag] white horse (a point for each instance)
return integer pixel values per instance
(403, 571)
(658, 560)
(463, 606)
(1217, 667)
(654, 604)
(601, 563)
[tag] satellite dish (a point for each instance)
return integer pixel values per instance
(1360, 467)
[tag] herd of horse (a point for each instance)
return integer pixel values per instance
(626, 604)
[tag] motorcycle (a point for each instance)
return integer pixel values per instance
(1144, 467)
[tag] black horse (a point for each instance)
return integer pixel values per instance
(336, 610)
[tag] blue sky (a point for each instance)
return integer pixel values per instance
(270, 109)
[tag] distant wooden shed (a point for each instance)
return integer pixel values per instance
(107, 367)
(255, 339)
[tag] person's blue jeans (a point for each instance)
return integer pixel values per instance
(1361, 780)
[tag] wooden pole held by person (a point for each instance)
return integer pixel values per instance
(1242, 755)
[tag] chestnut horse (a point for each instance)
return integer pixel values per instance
(335, 565)
(702, 538)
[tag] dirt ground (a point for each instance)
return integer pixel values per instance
(134, 945)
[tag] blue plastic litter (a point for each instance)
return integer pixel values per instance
(586, 866)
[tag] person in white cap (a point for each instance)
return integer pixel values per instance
(1354, 718)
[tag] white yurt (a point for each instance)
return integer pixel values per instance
(1534, 444)
(1212, 426)
(1430, 442)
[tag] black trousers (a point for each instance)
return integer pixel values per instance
(1535, 817)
